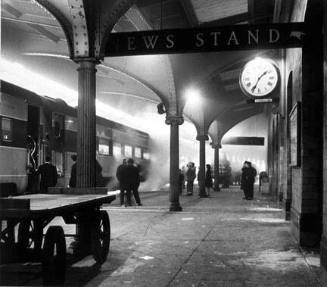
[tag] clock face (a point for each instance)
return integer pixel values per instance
(259, 78)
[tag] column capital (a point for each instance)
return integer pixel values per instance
(215, 145)
(202, 137)
(174, 120)
(79, 60)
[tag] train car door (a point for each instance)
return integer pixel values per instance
(33, 124)
(58, 152)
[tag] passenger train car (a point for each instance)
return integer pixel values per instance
(33, 126)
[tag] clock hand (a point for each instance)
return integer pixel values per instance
(253, 88)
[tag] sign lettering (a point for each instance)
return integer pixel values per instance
(208, 39)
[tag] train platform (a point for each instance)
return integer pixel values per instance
(218, 241)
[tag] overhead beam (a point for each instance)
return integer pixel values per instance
(11, 10)
(31, 22)
(45, 32)
(135, 17)
(152, 3)
(39, 27)
(251, 11)
(239, 18)
(189, 12)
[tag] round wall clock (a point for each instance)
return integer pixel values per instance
(259, 77)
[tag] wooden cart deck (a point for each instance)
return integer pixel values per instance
(24, 218)
(50, 204)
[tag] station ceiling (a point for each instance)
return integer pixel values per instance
(30, 35)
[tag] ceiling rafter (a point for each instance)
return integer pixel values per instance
(251, 11)
(152, 3)
(39, 27)
(31, 22)
(238, 18)
(189, 12)
(11, 10)
(45, 32)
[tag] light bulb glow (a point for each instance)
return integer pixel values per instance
(193, 97)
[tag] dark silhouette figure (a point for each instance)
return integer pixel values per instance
(130, 180)
(208, 179)
(190, 177)
(48, 174)
(227, 175)
(247, 181)
(72, 180)
(119, 174)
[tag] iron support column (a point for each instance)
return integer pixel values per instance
(216, 167)
(202, 139)
(174, 122)
(86, 131)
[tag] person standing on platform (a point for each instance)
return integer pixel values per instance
(190, 177)
(72, 180)
(48, 174)
(247, 180)
(119, 174)
(130, 178)
(208, 179)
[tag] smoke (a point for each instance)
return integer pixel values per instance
(158, 170)
(154, 124)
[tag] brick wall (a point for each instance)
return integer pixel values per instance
(302, 185)
(323, 244)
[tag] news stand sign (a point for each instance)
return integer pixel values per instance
(208, 39)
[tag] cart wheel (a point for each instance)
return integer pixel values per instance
(54, 256)
(25, 234)
(100, 237)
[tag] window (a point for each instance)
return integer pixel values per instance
(146, 155)
(103, 146)
(138, 152)
(128, 151)
(6, 129)
(117, 149)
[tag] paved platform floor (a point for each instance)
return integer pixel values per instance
(221, 241)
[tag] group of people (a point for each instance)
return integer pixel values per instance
(128, 175)
(190, 175)
(49, 175)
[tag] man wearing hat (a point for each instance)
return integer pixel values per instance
(247, 181)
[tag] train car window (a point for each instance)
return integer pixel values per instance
(137, 152)
(103, 147)
(128, 151)
(6, 129)
(146, 155)
(70, 123)
(117, 149)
